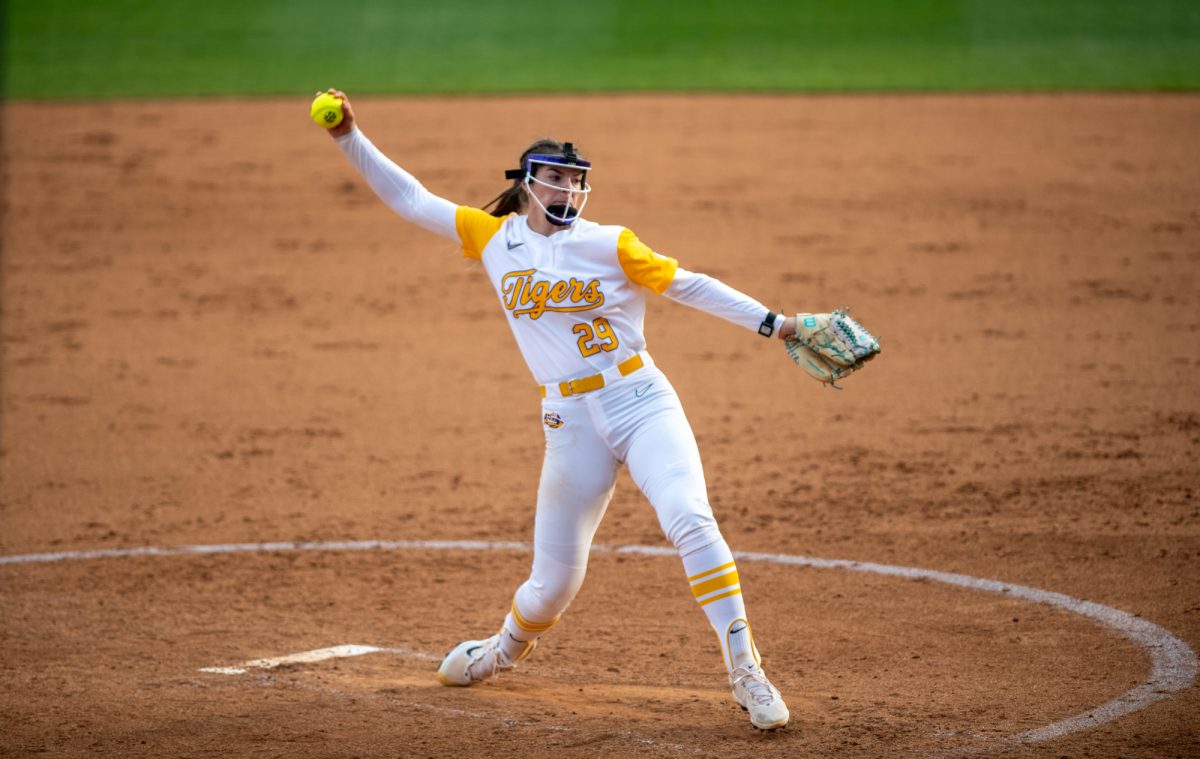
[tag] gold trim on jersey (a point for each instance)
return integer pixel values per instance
(642, 265)
(475, 227)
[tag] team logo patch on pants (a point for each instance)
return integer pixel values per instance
(553, 420)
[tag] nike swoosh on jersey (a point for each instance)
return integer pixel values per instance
(512, 244)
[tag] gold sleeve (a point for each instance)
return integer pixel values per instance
(475, 228)
(643, 266)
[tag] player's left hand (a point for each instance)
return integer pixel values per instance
(829, 346)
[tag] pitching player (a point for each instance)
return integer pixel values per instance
(573, 292)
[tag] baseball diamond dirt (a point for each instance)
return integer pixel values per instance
(215, 334)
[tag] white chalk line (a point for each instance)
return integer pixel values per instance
(1173, 663)
(224, 548)
(347, 650)
(342, 651)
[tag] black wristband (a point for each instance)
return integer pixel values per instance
(767, 328)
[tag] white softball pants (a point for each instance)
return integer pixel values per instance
(636, 420)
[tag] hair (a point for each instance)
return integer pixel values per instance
(513, 199)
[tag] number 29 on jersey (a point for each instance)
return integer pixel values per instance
(595, 337)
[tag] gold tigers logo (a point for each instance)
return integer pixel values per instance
(553, 420)
(523, 295)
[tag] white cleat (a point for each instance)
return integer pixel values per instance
(754, 693)
(474, 661)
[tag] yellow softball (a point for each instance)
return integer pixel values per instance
(326, 111)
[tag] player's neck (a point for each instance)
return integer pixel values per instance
(543, 226)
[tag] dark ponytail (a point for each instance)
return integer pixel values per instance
(513, 199)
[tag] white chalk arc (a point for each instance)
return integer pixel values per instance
(1173, 664)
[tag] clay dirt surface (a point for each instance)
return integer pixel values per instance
(214, 333)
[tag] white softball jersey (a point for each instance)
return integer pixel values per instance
(575, 300)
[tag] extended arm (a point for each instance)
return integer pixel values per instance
(712, 296)
(396, 187)
(827, 346)
(662, 275)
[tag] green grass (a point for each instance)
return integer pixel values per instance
(150, 48)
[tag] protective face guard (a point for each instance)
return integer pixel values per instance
(559, 214)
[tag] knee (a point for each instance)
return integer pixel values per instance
(681, 502)
(691, 532)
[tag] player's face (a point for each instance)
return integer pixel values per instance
(563, 180)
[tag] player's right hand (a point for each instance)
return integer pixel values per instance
(344, 128)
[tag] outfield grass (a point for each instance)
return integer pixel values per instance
(150, 48)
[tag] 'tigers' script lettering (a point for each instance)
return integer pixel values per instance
(522, 294)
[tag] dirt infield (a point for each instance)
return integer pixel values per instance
(215, 334)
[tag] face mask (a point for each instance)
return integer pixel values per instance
(559, 214)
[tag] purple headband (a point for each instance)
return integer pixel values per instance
(570, 160)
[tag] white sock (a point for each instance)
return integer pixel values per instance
(713, 576)
(740, 644)
(519, 634)
(512, 647)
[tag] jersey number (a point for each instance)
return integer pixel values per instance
(595, 337)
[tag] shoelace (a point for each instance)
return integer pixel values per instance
(491, 661)
(755, 683)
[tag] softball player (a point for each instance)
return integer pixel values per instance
(573, 292)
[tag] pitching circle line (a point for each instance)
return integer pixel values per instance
(1173, 664)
